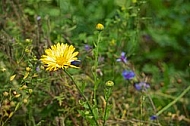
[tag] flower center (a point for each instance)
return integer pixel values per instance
(61, 61)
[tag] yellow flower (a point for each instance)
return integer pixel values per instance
(26, 75)
(28, 40)
(3, 69)
(99, 27)
(28, 69)
(17, 95)
(12, 77)
(59, 56)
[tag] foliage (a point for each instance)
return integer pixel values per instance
(153, 35)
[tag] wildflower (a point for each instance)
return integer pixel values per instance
(38, 68)
(112, 42)
(28, 69)
(23, 87)
(153, 117)
(12, 77)
(109, 83)
(59, 56)
(25, 75)
(25, 101)
(5, 93)
(14, 92)
(30, 91)
(27, 50)
(28, 40)
(141, 86)
(35, 75)
(38, 18)
(128, 74)
(12, 103)
(87, 47)
(3, 69)
(122, 58)
(99, 27)
(17, 95)
(99, 71)
(6, 101)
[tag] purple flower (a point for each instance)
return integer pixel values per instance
(122, 58)
(38, 18)
(128, 74)
(87, 47)
(153, 117)
(141, 86)
(38, 68)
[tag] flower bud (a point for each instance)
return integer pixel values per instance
(5, 93)
(17, 95)
(27, 50)
(99, 27)
(6, 101)
(30, 91)
(23, 87)
(109, 83)
(28, 40)
(12, 103)
(3, 69)
(25, 101)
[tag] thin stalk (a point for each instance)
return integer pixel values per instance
(104, 122)
(96, 52)
(152, 103)
(82, 96)
(107, 99)
(174, 101)
(142, 101)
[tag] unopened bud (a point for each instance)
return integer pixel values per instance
(5, 93)
(109, 83)
(99, 27)
(25, 101)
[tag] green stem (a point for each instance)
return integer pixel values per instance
(105, 113)
(152, 103)
(107, 95)
(82, 96)
(96, 52)
(174, 101)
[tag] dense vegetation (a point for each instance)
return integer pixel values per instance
(133, 67)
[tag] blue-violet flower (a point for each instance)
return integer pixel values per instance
(141, 86)
(122, 58)
(153, 117)
(128, 74)
(87, 47)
